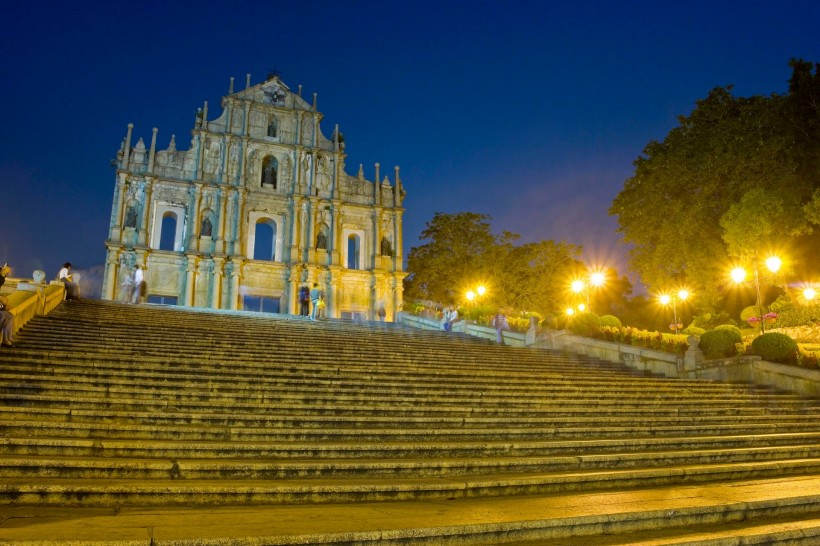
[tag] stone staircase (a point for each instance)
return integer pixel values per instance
(114, 409)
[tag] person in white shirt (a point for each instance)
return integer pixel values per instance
(453, 318)
(139, 284)
(445, 318)
(72, 289)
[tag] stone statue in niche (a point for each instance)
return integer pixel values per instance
(387, 247)
(269, 175)
(207, 227)
(131, 217)
(272, 128)
(321, 238)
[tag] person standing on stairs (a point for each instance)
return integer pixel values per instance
(500, 323)
(315, 296)
(127, 287)
(445, 318)
(304, 300)
(140, 287)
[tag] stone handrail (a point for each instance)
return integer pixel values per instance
(32, 299)
(744, 369)
(513, 339)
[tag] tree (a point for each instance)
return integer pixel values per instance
(670, 210)
(455, 252)
(534, 276)
(461, 252)
(753, 225)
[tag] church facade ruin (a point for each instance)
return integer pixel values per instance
(259, 205)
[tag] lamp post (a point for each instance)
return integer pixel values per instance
(773, 263)
(596, 280)
(666, 299)
(475, 295)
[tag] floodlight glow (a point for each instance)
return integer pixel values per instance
(665, 299)
(577, 286)
(809, 294)
(738, 274)
(481, 290)
(773, 263)
(683, 294)
(470, 295)
(596, 279)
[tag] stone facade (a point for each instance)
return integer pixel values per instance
(257, 206)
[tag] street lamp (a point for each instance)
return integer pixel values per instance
(596, 280)
(773, 263)
(476, 294)
(666, 299)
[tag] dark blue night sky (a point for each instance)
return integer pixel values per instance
(532, 112)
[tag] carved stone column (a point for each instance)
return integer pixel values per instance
(233, 302)
(110, 280)
(190, 270)
(215, 284)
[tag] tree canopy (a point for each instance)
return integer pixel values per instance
(736, 175)
(461, 252)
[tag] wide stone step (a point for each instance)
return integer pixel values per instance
(34, 468)
(114, 492)
(72, 429)
(65, 407)
(330, 370)
(317, 349)
(135, 448)
(295, 418)
(277, 373)
(771, 511)
(460, 415)
(331, 379)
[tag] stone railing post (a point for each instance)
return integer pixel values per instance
(693, 356)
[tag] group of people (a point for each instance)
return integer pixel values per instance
(133, 287)
(312, 302)
(449, 315)
(72, 292)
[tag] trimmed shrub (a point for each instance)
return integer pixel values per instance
(693, 330)
(719, 344)
(610, 320)
(731, 328)
(775, 347)
(808, 356)
(797, 315)
(585, 324)
(707, 321)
